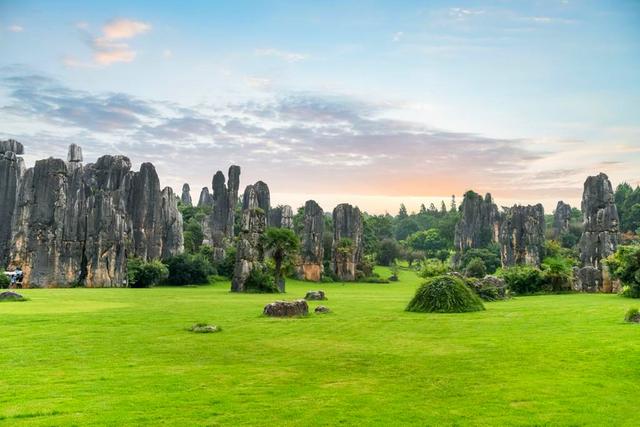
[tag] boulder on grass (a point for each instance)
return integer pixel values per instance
(10, 296)
(286, 308)
(315, 296)
(204, 328)
(321, 309)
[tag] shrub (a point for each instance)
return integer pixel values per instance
(142, 274)
(226, 266)
(490, 256)
(624, 265)
(523, 279)
(261, 281)
(633, 315)
(445, 294)
(433, 267)
(558, 273)
(4, 281)
(326, 279)
(388, 252)
(188, 269)
(475, 268)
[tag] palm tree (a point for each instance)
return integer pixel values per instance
(281, 243)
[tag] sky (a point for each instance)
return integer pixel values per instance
(368, 102)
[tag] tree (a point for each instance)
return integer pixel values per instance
(624, 265)
(428, 241)
(423, 209)
(388, 252)
(402, 214)
(188, 269)
(405, 227)
(142, 274)
(475, 268)
(281, 243)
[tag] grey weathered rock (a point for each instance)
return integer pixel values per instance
(346, 254)
(321, 309)
(286, 309)
(203, 328)
(264, 197)
(10, 174)
(11, 145)
(249, 251)
(221, 221)
(185, 198)
(522, 235)
(281, 217)
(78, 225)
(493, 281)
(312, 249)
(587, 279)
(561, 219)
(601, 234)
(206, 199)
(74, 154)
(479, 222)
(315, 296)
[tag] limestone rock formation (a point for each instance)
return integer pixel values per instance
(321, 309)
(186, 195)
(315, 296)
(11, 145)
(587, 279)
(286, 309)
(249, 251)
(561, 219)
(312, 249)
(479, 222)
(11, 170)
(281, 217)
(10, 296)
(522, 235)
(346, 256)
(206, 199)
(221, 221)
(77, 225)
(601, 234)
(264, 197)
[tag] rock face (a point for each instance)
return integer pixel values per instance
(249, 251)
(225, 197)
(346, 253)
(600, 236)
(587, 279)
(479, 222)
(315, 296)
(206, 199)
(561, 219)
(10, 296)
(286, 309)
(312, 248)
(11, 145)
(522, 236)
(264, 197)
(281, 217)
(78, 225)
(185, 198)
(11, 170)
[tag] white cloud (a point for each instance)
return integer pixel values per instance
(167, 54)
(258, 82)
(109, 48)
(461, 13)
(15, 28)
(284, 55)
(397, 36)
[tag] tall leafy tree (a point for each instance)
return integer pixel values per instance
(281, 243)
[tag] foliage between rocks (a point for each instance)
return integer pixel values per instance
(445, 294)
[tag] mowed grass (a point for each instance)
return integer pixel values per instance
(124, 357)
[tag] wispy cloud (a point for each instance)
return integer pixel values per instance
(112, 45)
(281, 54)
(15, 28)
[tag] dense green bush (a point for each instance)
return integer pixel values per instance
(388, 252)
(141, 274)
(261, 281)
(226, 266)
(433, 267)
(624, 265)
(445, 294)
(475, 268)
(557, 273)
(632, 315)
(523, 279)
(4, 281)
(489, 255)
(188, 269)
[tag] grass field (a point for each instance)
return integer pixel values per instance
(124, 357)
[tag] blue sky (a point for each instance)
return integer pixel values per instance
(369, 102)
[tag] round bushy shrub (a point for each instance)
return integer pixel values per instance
(187, 269)
(261, 281)
(633, 315)
(523, 279)
(445, 294)
(142, 274)
(476, 268)
(4, 281)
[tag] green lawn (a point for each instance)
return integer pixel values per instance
(123, 356)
